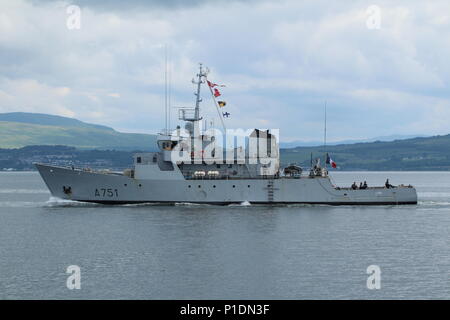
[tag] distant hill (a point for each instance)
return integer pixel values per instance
(19, 129)
(430, 153)
(47, 120)
(417, 154)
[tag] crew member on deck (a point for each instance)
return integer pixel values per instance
(388, 185)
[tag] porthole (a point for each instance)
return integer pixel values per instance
(140, 185)
(248, 186)
(199, 186)
(125, 184)
(214, 186)
(234, 186)
(189, 186)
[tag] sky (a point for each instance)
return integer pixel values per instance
(381, 67)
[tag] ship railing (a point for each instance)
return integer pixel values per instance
(186, 114)
(95, 169)
(368, 188)
(227, 177)
(303, 175)
(374, 187)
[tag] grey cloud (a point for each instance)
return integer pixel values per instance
(118, 5)
(280, 62)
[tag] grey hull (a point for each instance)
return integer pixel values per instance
(97, 187)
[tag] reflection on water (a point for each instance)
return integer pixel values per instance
(221, 252)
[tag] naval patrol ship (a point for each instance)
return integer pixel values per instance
(209, 166)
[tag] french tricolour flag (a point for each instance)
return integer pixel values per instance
(330, 161)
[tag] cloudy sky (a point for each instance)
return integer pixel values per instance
(280, 61)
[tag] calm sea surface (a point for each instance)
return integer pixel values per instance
(232, 252)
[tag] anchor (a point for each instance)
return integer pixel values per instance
(67, 190)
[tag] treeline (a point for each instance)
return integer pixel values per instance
(23, 158)
(431, 153)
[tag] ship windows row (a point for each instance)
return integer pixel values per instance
(199, 186)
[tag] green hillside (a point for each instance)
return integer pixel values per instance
(18, 130)
(431, 153)
(47, 119)
(52, 130)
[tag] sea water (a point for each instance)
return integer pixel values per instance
(225, 252)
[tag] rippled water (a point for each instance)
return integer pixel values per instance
(232, 252)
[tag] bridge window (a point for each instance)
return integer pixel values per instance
(138, 159)
(167, 144)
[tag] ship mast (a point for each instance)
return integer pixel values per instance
(186, 114)
(325, 135)
(197, 94)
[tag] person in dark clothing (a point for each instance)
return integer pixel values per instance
(364, 185)
(388, 185)
(354, 186)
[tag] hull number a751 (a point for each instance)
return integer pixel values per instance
(104, 192)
